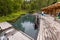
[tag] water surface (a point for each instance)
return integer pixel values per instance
(26, 24)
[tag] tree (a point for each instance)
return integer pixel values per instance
(9, 6)
(5, 7)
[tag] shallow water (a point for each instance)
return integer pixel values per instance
(29, 29)
(26, 24)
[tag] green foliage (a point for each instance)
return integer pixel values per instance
(30, 5)
(58, 0)
(12, 17)
(5, 7)
(9, 6)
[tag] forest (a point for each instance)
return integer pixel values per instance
(11, 9)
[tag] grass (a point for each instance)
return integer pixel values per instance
(12, 16)
(58, 0)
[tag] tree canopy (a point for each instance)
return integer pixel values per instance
(9, 6)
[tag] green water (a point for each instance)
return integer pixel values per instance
(58, 17)
(22, 19)
(26, 24)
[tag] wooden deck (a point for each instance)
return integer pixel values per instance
(49, 29)
(13, 34)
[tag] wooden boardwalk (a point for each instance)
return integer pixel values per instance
(49, 29)
(13, 34)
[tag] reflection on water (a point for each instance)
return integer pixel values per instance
(26, 24)
(29, 29)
